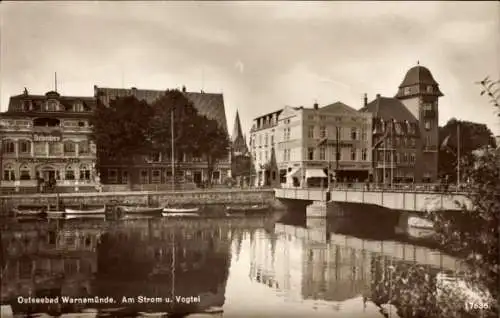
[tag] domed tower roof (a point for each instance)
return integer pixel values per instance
(418, 75)
(418, 78)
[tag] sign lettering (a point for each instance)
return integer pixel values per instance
(48, 137)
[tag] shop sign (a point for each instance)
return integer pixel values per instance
(54, 136)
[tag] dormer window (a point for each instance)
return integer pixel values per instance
(78, 107)
(406, 91)
(27, 106)
(52, 106)
(429, 89)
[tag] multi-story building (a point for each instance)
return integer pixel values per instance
(310, 143)
(46, 141)
(406, 130)
(263, 139)
(156, 170)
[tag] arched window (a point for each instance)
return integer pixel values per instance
(70, 173)
(24, 173)
(9, 173)
(24, 146)
(8, 146)
(84, 172)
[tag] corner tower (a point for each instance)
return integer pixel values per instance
(420, 93)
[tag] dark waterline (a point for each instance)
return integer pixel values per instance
(259, 266)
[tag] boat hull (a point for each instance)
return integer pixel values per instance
(85, 212)
(180, 210)
(180, 214)
(140, 210)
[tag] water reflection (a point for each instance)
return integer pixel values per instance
(249, 267)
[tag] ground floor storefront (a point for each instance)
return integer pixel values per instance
(48, 175)
(316, 174)
(397, 175)
(164, 175)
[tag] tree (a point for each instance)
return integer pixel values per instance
(122, 131)
(187, 124)
(473, 136)
(214, 145)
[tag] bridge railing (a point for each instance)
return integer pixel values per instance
(396, 187)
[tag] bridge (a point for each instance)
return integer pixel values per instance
(405, 197)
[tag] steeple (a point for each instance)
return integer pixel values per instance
(237, 128)
(239, 143)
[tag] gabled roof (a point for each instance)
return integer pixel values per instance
(339, 107)
(389, 108)
(207, 104)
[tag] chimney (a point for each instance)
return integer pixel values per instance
(316, 105)
(365, 100)
(183, 88)
(378, 96)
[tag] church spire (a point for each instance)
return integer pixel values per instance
(237, 133)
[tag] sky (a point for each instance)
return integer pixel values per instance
(261, 55)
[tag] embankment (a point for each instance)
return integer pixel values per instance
(153, 198)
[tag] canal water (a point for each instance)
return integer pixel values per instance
(275, 266)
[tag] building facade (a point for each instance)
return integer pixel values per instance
(156, 171)
(46, 143)
(406, 130)
(310, 143)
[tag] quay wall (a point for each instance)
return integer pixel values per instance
(154, 198)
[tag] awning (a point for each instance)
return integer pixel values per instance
(315, 173)
(293, 173)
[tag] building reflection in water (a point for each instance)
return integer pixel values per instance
(151, 258)
(47, 259)
(301, 269)
(298, 267)
(165, 258)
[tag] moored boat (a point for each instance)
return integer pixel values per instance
(85, 211)
(178, 212)
(140, 209)
(29, 211)
(84, 216)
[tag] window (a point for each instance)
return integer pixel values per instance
(427, 125)
(310, 153)
(429, 89)
(156, 176)
(260, 140)
(144, 177)
(24, 146)
(83, 147)
(84, 172)
(322, 153)
(9, 147)
(412, 157)
(406, 91)
(25, 173)
(78, 107)
(397, 157)
(216, 176)
(427, 141)
(364, 156)
(322, 132)
(272, 140)
(112, 176)
(265, 140)
(69, 173)
(273, 175)
(405, 157)
(310, 132)
(154, 157)
(69, 147)
(353, 154)
(265, 156)
(9, 174)
(284, 154)
(354, 133)
(124, 176)
(363, 134)
(51, 106)
(54, 149)
(322, 117)
(310, 117)
(81, 124)
(287, 130)
(288, 154)
(427, 106)
(260, 156)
